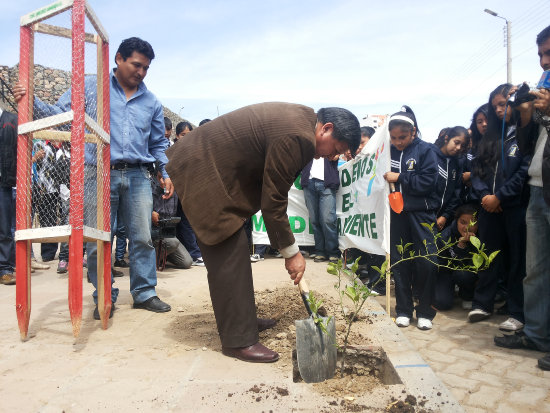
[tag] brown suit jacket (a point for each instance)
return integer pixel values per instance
(244, 161)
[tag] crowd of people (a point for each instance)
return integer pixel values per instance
(490, 180)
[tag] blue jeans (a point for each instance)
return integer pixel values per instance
(536, 285)
(7, 244)
(321, 205)
(120, 232)
(131, 190)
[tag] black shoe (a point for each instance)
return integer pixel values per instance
(517, 340)
(153, 304)
(544, 362)
(319, 258)
(96, 312)
(121, 264)
(116, 273)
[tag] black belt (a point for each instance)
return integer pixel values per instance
(119, 166)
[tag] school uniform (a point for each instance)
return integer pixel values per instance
(446, 278)
(417, 166)
(467, 195)
(449, 184)
(504, 230)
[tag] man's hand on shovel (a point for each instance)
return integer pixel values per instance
(296, 267)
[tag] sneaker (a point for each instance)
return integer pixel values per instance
(38, 265)
(424, 324)
(402, 321)
(7, 279)
(121, 263)
(333, 259)
(62, 267)
(466, 305)
(312, 255)
(319, 258)
(511, 325)
(477, 314)
(278, 255)
(198, 262)
(544, 362)
(256, 258)
(517, 340)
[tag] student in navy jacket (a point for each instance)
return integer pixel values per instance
(414, 172)
(499, 174)
(449, 182)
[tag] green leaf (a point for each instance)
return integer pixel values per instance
(332, 269)
(475, 242)
(428, 226)
(477, 259)
(400, 249)
(492, 256)
(407, 246)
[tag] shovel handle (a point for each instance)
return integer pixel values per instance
(304, 293)
(392, 187)
(302, 285)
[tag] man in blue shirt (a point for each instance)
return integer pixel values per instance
(137, 140)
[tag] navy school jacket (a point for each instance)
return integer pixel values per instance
(449, 184)
(417, 167)
(509, 181)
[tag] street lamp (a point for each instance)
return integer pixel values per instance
(508, 44)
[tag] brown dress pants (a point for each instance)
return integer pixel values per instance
(232, 290)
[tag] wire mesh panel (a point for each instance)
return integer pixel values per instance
(63, 146)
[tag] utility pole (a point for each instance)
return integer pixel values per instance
(508, 41)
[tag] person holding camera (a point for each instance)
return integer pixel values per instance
(163, 231)
(532, 133)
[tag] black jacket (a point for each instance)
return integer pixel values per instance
(8, 149)
(449, 184)
(417, 167)
(508, 181)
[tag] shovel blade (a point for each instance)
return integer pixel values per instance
(396, 202)
(315, 350)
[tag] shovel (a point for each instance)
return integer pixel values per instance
(315, 350)
(396, 199)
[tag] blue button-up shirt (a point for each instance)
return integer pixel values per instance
(137, 124)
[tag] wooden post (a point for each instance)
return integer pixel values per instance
(23, 201)
(388, 285)
(76, 238)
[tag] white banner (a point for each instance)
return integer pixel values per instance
(362, 206)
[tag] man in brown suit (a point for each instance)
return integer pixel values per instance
(227, 170)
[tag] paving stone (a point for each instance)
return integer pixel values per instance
(452, 381)
(498, 366)
(485, 378)
(462, 368)
(443, 346)
(528, 395)
(472, 409)
(529, 379)
(437, 356)
(485, 397)
(470, 355)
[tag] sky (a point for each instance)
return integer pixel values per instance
(442, 58)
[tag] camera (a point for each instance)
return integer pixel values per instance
(522, 94)
(166, 228)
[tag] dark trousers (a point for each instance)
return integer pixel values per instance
(419, 273)
(503, 231)
(46, 208)
(445, 287)
(232, 290)
(7, 244)
(186, 235)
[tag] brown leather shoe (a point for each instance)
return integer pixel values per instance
(7, 279)
(266, 323)
(256, 353)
